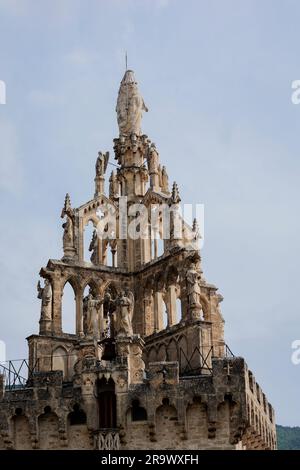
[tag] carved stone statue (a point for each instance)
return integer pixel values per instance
(91, 308)
(193, 286)
(101, 163)
(45, 294)
(125, 305)
(113, 185)
(153, 159)
(130, 106)
(68, 236)
(164, 180)
(68, 226)
(94, 248)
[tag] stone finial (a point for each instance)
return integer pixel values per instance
(111, 185)
(67, 206)
(130, 106)
(175, 193)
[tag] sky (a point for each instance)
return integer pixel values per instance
(216, 76)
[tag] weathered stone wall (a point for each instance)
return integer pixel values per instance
(197, 412)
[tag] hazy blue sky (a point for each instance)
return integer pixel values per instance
(216, 76)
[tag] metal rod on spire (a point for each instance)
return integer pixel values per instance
(125, 61)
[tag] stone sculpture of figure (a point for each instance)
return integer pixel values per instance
(164, 180)
(130, 106)
(125, 304)
(94, 248)
(193, 286)
(113, 186)
(91, 308)
(101, 163)
(68, 225)
(45, 294)
(68, 237)
(153, 159)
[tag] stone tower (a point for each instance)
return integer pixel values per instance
(147, 367)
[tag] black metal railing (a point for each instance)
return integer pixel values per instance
(196, 363)
(17, 373)
(200, 361)
(228, 352)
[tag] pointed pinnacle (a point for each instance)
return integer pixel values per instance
(175, 193)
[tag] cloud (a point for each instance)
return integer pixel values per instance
(11, 174)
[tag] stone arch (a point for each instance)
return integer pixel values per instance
(68, 305)
(205, 307)
(161, 354)
(106, 403)
(92, 284)
(48, 430)
(179, 309)
(152, 355)
(197, 424)
(182, 353)
(138, 412)
(90, 218)
(172, 352)
(88, 233)
(60, 360)
(225, 411)
(21, 431)
(165, 313)
(78, 434)
(167, 425)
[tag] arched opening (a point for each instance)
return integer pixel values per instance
(138, 413)
(196, 417)
(160, 247)
(172, 354)
(48, 430)
(152, 355)
(107, 404)
(21, 432)
(110, 258)
(157, 247)
(77, 416)
(166, 422)
(178, 310)
(89, 243)
(165, 315)
(161, 355)
(183, 356)
(68, 309)
(78, 433)
(60, 361)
